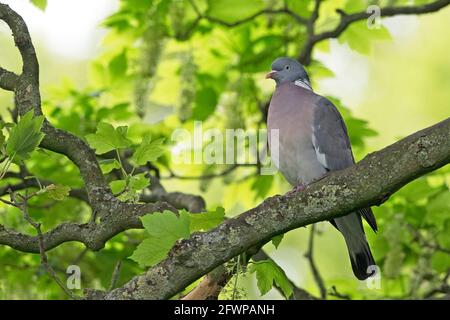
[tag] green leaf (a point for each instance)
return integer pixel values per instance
(268, 274)
(118, 65)
(117, 186)
(40, 4)
(107, 165)
(443, 237)
(233, 10)
(107, 138)
(25, 137)
(301, 7)
(261, 185)
(205, 103)
(148, 150)
(438, 209)
(277, 240)
(2, 139)
(149, 252)
(319, 71)
(440, 261)
(360, 38)
(207, 220)
(57, 192)
(352, 6)
(164, 229)
(138, 182)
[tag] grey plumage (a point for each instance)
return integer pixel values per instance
(313, 140)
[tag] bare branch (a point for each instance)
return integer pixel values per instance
(23, 42)
(211, 285)
(115, 275)
(93, 235)
(230, 169)
(369, 182)
(284, 11)
(23, 206)
(315, 271)
(190, 202)
(8, 79)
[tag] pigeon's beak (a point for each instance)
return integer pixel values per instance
(270, 74)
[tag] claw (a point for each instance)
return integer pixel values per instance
(297, 188)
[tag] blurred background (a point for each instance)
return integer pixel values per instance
(149, 65)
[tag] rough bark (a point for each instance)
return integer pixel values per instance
(369, 182)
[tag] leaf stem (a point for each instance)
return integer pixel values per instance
(6, 166)
(125, 175)
(236, 278)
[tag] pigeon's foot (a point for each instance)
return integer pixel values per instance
(297, 188)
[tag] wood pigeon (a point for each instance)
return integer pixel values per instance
(312, 141)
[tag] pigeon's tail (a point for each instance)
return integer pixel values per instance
(362, 261)
(363, 264)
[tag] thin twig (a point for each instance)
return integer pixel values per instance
(23, 206)
(115, 275)
(315, 271)
(283, 11)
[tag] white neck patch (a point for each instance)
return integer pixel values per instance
(304, 84)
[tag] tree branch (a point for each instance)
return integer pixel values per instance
(315, 271)
(347, 19)
(27, 97)
(23, 206)
(8, 79)
(284, 11)
(22, 39)
(92, 235)
(369, 182)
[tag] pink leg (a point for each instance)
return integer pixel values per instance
(297, 188)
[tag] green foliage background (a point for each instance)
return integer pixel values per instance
(159, 70)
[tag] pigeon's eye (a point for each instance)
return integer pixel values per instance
(287, 67)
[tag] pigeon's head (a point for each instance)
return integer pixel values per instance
(288, 70)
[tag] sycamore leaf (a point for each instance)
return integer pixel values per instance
(107, 165)
(206, 220)
(360, 39)
(164, 229)
(277, 240)
(25, 137)
(108, 138)
(148, 150)
(138, 182)
(149, 252)
(128, 188)
(268, 274)
(117, 186)
(57, 192)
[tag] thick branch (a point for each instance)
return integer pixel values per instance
(27, 97)
(192, 203)
(8, 79)
(93, 235)
(23, 42)
(370, 182)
